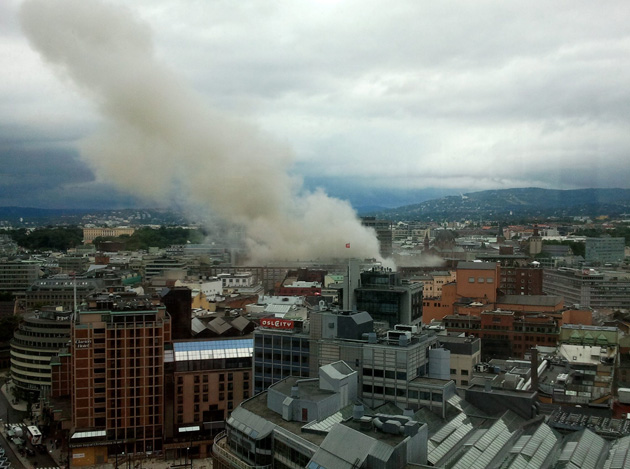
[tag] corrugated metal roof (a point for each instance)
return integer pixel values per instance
(452, 434)
(533, 449)
(619, 456)
(486, 448)
(582, 450)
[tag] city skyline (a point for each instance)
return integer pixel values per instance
(368, 101)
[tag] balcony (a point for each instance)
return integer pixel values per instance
(221, 451)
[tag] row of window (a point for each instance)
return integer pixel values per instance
(402, 392)
(388, 374)
(481, 280)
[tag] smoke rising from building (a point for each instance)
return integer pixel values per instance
(159, 141)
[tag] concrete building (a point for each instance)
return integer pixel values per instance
(306, 424)
(589, 288)
(73, 264)
(605, 250)
(61, 290)
(301, 423)
(465, 353)
(159, 266)
(40, 337)
(281, 349)
(17, 276)
(402, 366)
(389, 298)
(384, 234)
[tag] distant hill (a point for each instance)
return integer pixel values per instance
(513, 204)
(30, 217)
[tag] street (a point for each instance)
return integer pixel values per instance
(12, 416)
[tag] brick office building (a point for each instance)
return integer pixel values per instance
(506, 334)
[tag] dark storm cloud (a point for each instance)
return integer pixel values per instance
(457, 95)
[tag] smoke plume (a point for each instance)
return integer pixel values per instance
(158, 141)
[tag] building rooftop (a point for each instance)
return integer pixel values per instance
(530, 300)
(476, 265)
(210, 350)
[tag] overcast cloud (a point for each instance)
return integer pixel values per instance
(371, 97)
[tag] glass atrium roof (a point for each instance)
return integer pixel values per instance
(213, 349)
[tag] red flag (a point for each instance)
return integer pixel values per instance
(347, 245)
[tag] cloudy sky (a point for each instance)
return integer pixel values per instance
(373, 101)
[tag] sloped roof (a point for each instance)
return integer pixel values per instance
(531, 451)
(240, 323)
(345, 447)
(218, 326)
(583, 449)
(490, 442)
(619, 455)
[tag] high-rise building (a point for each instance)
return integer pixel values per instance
(384, 234)
(388, 298)
(178, 302)
(117, 349)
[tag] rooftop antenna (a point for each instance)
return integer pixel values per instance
(74, 290)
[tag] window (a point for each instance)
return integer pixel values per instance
(471, 279)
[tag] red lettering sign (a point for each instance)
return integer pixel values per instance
(275, 323)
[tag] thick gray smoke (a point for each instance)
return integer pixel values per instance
(159, 141)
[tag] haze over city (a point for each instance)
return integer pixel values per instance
(369, 101)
